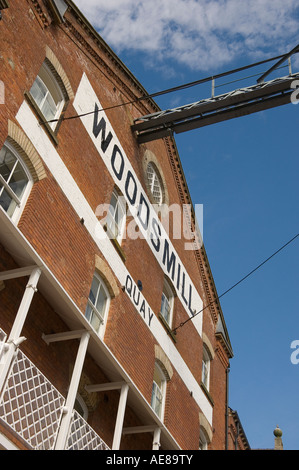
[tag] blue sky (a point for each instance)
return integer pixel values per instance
(243, 171)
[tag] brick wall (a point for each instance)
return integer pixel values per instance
(55, 231)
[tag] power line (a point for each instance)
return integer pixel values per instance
(169, 90)
(237, 283)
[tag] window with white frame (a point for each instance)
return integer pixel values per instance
(203, 441)
(206, 365)
(48, 95)
(158, 391)
(116, 217)
(15, 181)
(98, 304)
(167, 302)
(154, 183)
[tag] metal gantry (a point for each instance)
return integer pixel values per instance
(240, 102)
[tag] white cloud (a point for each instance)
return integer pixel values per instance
(200, 34)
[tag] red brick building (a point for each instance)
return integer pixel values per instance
(100, 348)
(236, 437)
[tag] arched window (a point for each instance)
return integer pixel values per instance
(167, 303)
(205, 432)
(48, 95)
(116, 217)
(81, 407)
(158, 391)
(15, 181)
(98, 304)
(203, 439)
(154, 183)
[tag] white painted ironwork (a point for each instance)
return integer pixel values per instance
(239, 102)
(2, 343)
(120, 416)
(33, 408)
(72, 392)
(82, 436)
(15, 338)
(198, 104)
(31, 405)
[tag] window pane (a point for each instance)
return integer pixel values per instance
(38, 91)
(154, 184)
(88, 312)
(7, 203)
(157, 377)
(14, 180)
(113, 203)
(116, 216)
(50, 82)
(165, 307)
(97, 304)
(7, 162)
(203, 445)
(94, 290)
(112, 224)
(158, 390)
(49, 108)
(204, 373)
(101, 301)
(157, 399)
(95, 322)
(93, 317)
(18, 181)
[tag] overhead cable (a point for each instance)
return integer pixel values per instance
(237, 283)
(169, 90)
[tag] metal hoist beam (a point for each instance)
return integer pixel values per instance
(240, 102)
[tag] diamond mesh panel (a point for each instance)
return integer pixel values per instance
(30, 405)
(82, 436)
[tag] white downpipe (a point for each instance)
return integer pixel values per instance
(72, 393)
(15, 338)
(120, 417)
(156, 440)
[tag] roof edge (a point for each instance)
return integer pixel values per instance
(77, 12)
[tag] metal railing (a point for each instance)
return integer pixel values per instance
(82, 436)
(32, 407)
(252, 97)
(2, 343)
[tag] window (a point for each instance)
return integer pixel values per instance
(158, 391)
(205, 375)
(167, 303)
(80, 407)
(154, 183)
(98, 304)
(116, 217)
(203, 441)
(15, 181)
(48, 95)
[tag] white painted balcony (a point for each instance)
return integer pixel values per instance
(53, 429)
(2, 343)
(82, 436)
(32, 407)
